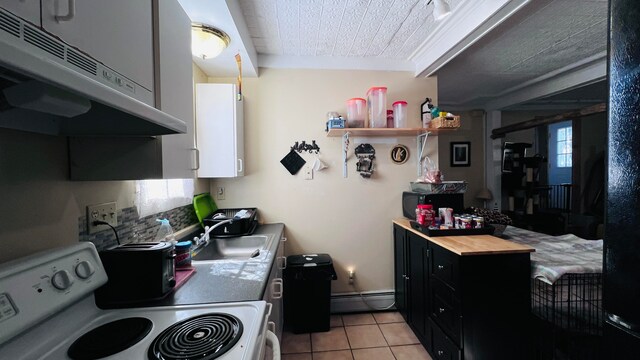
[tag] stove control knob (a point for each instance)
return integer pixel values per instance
(61, 280)
(84, 269)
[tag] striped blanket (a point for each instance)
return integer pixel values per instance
(558, 255)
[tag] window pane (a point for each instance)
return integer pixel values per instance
(560, 147)
(561, 161)
(569, 133)
(562, 134)
(568, 147)
(569, 162)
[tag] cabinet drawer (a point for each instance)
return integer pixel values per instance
(443, 347)
(445, 310)
(445, 266)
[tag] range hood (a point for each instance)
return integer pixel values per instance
(51, 88)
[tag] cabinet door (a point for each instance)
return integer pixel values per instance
(418, 278)
(219, 131)
(175, 89)
(26, 9)
(400, 269)
(118, 33)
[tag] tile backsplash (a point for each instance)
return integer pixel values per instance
(132, 228)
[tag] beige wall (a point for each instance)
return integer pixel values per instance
(39, 206)
(348, 218)
(472, 130)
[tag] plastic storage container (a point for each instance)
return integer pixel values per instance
(377, 105)
(183, 254)
(357, 113)
(400, 114)
(307, 293)
(390, 118)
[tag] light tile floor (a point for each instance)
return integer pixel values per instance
(367, 336)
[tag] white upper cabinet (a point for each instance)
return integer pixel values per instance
(118, 33)
(220, 131)
(26, 9)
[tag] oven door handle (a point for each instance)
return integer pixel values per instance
(272, 341)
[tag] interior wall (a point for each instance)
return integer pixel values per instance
(40, 206)
(348, 218)
(472, 130)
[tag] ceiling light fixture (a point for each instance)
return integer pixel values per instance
(207, 42)
(441, 9)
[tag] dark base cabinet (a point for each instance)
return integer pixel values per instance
(469, 306)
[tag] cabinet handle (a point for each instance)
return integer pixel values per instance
(407, 277)
(197, 158)
(276, 288)
(440, 352)
(283, 264)
(284, 239)
(70, 14)
(441, 310)
(240, 165)
(440, 267)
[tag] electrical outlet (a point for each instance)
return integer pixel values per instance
(220, 193)
(104, 212)
(308, 173)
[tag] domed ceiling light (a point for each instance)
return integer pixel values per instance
(207, 42)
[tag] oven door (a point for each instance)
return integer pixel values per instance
(270, 345)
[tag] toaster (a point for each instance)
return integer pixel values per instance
(137, 272)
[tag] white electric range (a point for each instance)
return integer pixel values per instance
(47, 311)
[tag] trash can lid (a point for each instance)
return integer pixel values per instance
(307, 260)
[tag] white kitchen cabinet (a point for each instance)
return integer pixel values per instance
(118, 33)
(220, 131)
(26, 9)
(163, 157)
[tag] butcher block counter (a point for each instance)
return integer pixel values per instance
(470, 244)
(465, 297)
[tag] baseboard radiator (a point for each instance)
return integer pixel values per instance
(353, 302)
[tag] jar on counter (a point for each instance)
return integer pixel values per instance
(425, 215)
(377, 106)
(183, 254)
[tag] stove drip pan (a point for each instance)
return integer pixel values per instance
(203, 337)
(110, 338)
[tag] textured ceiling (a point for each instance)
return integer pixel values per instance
(390, 29)
(543, 37)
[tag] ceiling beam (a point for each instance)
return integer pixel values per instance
(546, 120)
(470, 21)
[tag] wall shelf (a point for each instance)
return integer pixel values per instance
(383, 131)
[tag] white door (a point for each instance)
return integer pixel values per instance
(219, 131)
(118, 33)
(560, 153)
(26, 9)
(176, 88)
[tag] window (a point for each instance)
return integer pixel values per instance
(155, 196)
(564, 147)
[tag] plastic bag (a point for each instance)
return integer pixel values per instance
(430, 172)
(165, 233)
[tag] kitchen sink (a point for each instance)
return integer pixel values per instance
(237, 248)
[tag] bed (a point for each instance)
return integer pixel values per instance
(566, 293)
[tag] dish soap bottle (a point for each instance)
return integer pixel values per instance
(165, 233)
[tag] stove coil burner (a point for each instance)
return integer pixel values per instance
(203, 337)
(110, 338)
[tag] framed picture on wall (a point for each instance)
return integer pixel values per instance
(460, 153)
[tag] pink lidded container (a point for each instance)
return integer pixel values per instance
(400, 114)
(377, 106)
(357, 113)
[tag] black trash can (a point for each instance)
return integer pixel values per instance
(307, 292)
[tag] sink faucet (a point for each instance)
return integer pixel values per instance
(204, 238)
